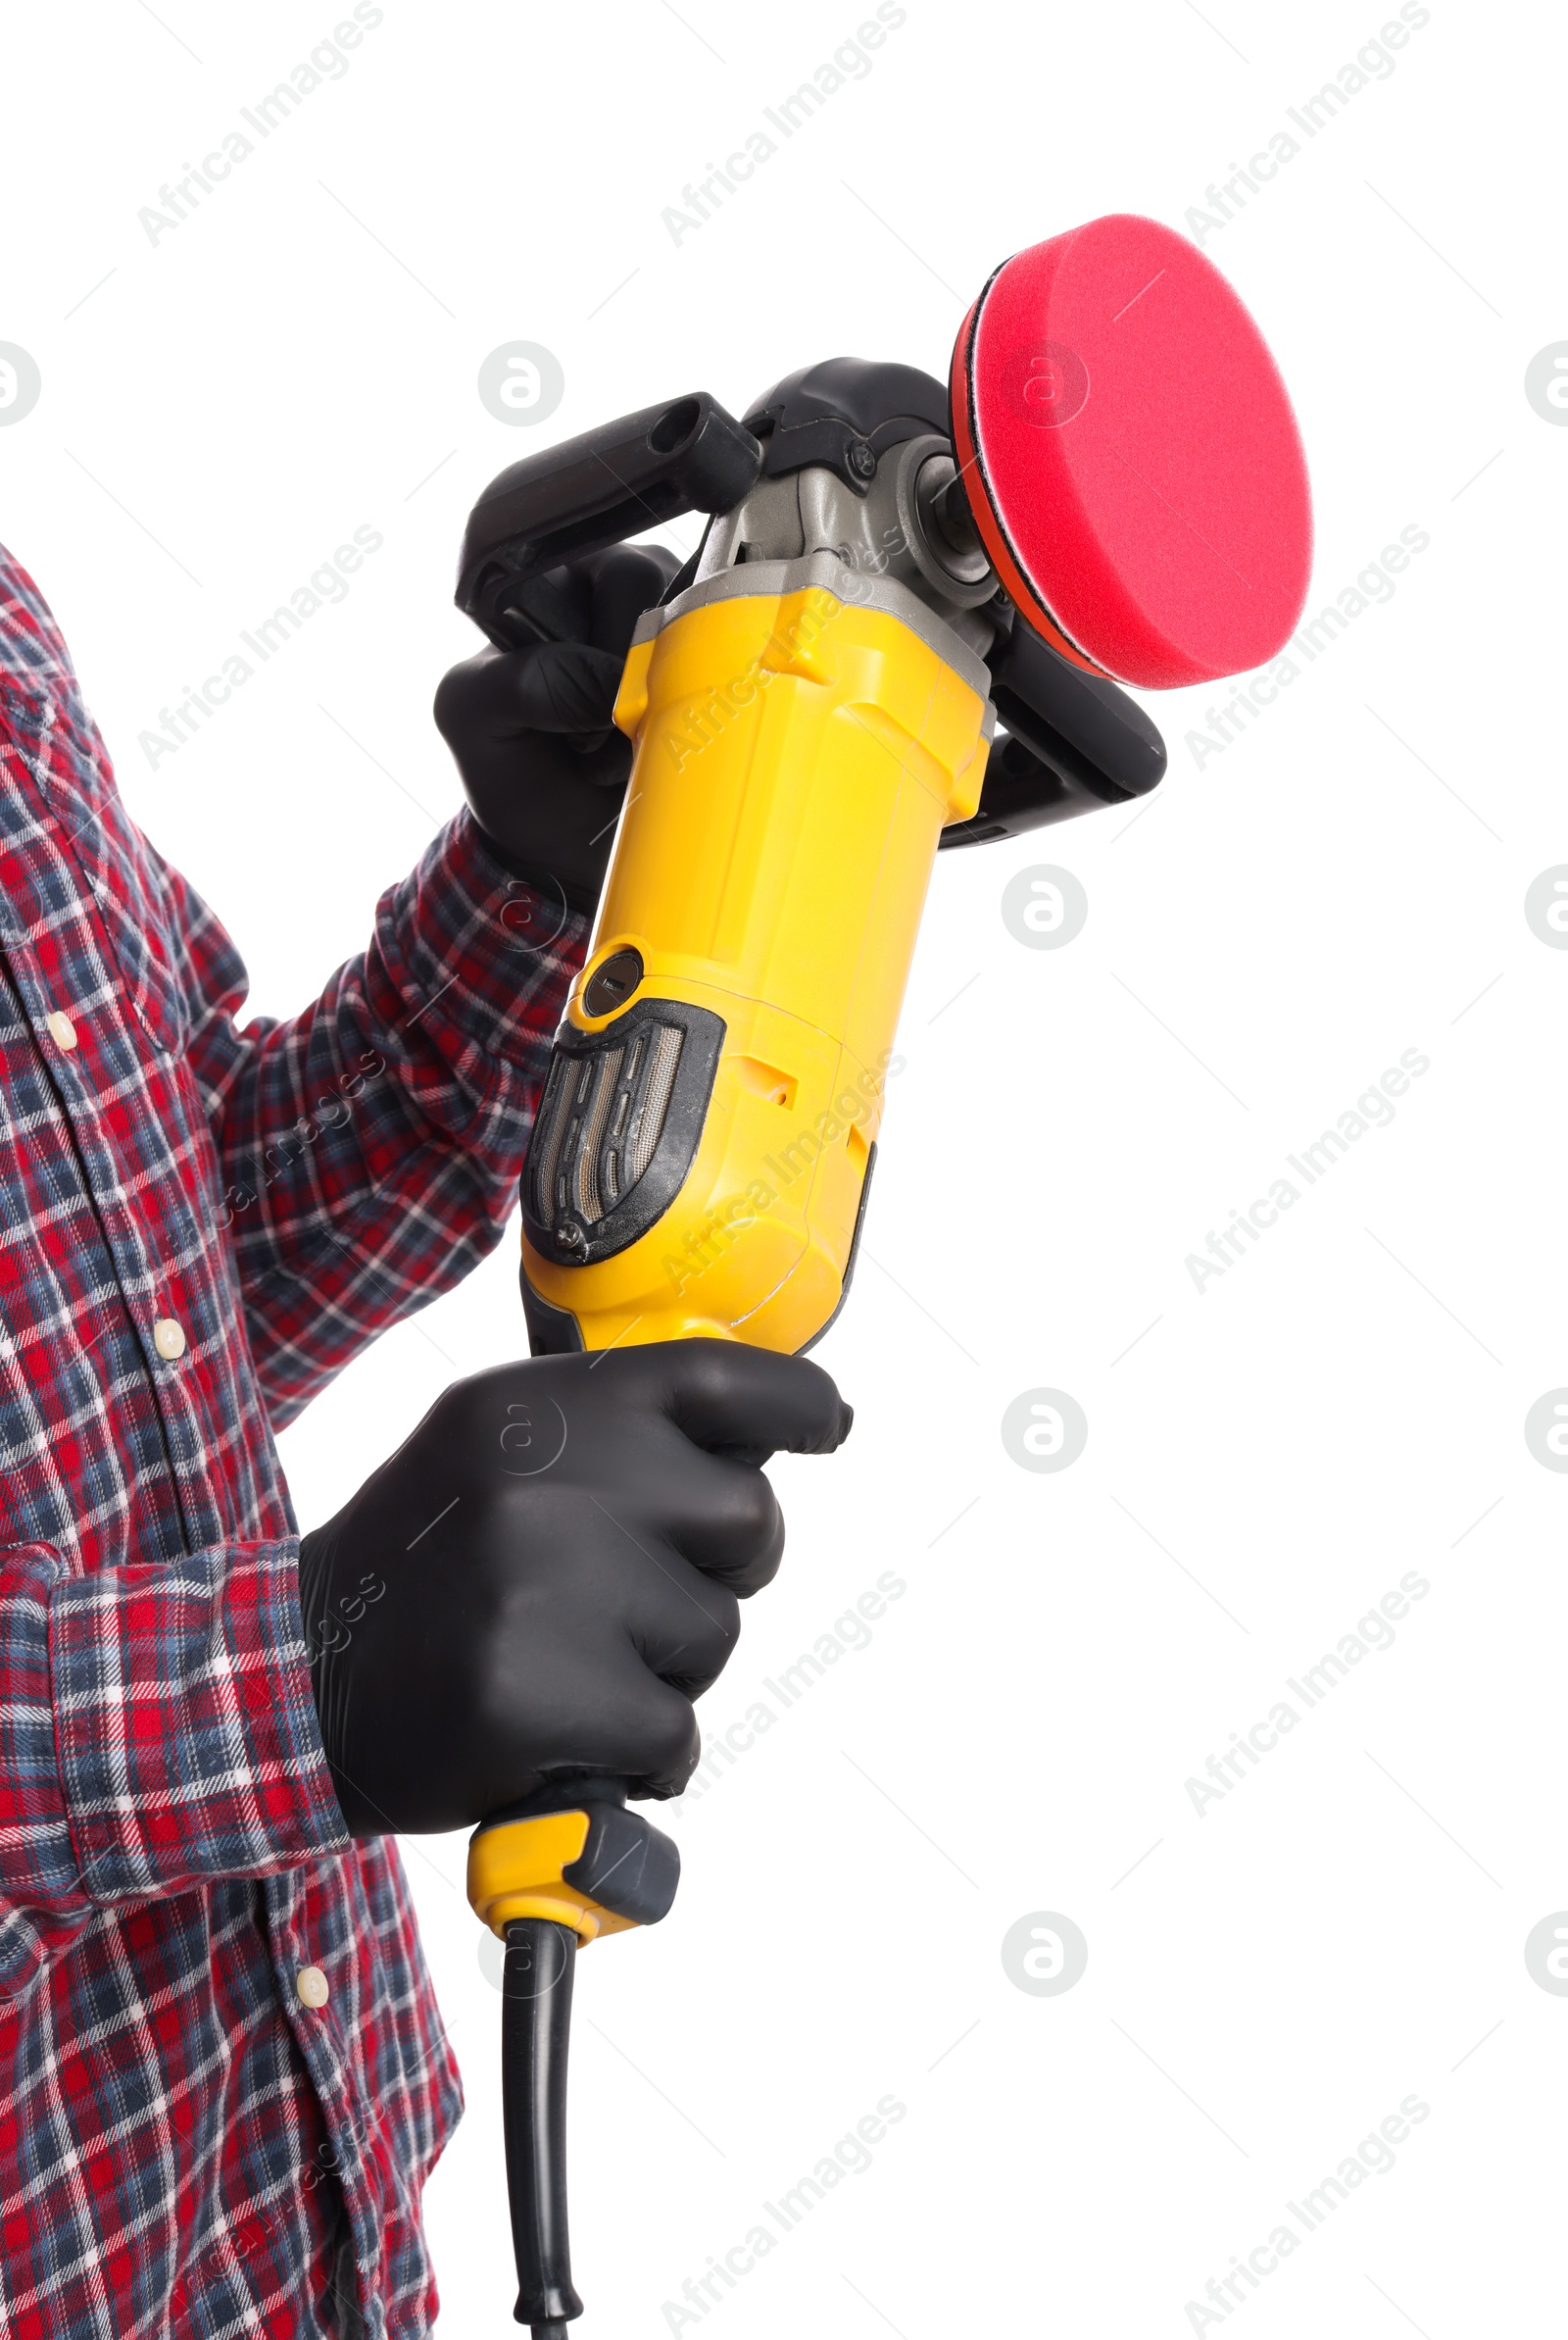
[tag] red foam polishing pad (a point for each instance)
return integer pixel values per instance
(1130, 458)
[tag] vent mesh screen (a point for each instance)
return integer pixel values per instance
(581, 1187)
(648, 1124)
(600, 1122)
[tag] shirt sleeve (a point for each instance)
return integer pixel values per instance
(157, 1733)
(370, 1147)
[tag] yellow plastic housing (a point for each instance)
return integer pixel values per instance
(796, 758)
(515, 1870)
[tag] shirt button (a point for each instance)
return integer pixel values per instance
(62, 1031)
(312, 1987)
(168, 1339)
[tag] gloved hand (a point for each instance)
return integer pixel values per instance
(546, 1574)
(542, 765)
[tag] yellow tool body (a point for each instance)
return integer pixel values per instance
(802, 733)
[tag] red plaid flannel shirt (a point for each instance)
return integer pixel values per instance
(199, 1225)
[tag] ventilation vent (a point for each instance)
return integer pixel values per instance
(617, 1129)
(600, 1125)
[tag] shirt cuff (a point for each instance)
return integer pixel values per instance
(186, 1740)
(42, 1905)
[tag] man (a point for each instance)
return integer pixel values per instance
(222, 2074)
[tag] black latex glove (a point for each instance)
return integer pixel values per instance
(546, 1574)
(543, 767)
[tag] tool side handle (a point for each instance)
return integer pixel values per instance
(1074, 742)
(686, 454)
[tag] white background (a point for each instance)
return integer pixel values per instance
(1344, 882)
